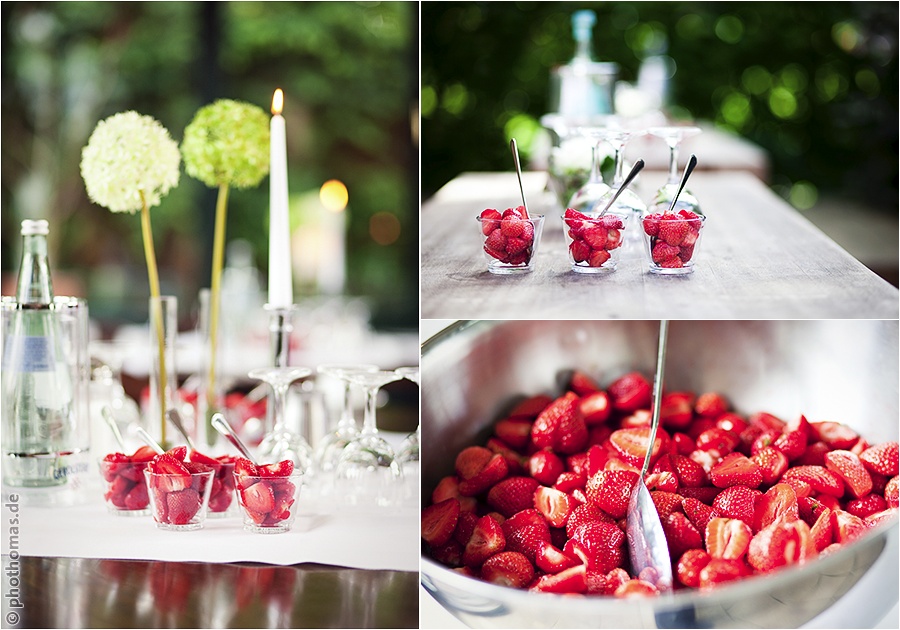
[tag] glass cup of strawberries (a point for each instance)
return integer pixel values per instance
(672, 239)
(510, 240)
(268, 495)
(221, 496)
(594, 242)
(126, 492)
(179, 490)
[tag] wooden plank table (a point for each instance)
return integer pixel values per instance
(758, 259)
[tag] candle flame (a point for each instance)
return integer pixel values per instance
(277, 101)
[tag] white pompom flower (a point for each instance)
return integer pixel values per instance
(128, 155)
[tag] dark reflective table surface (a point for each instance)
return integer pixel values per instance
(91, 593)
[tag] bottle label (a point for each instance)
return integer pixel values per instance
(29, 354)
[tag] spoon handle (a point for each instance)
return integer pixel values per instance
(175, 418)
(106, 412)
(515, 151)
(634, 171)
(687, 173)
(221, 425)
(657, 390)
(148, 440)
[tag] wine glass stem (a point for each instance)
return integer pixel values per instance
(620, 159)
(369, 426)
(596, 162)
(279, 392)
(673, 162)
(347, 420)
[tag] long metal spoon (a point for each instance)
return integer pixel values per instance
(634, 171)
(175, 418)
(688, 169)
(515, 151)
(221, 425)
(106, 412)
(646, 538)
(148, 440)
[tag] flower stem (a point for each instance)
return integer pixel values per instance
(153, 274)
(215, 294)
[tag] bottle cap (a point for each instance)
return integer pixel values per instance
(34, 228)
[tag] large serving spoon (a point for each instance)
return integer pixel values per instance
(634, 171)
(688, 169)
(148, 440)
(646, 539)
(221, 425)
(515, 151)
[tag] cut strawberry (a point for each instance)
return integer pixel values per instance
(439, 521)
(495, 470)
(879, 518)
(182, 506)
(283, 468)
(598, 258)
(490, 220)
(719, 571)
(569, 481)
(822, 531)
(571, 580)
(681, 534)
(663, 481)
(137, 498)
(736, 502)
(508, 568)
(172, 475)
(892, 492)
(585, 513)
(199, 458)
(600, 545)
(676, 410)
(610, 490)
(515, 431)
(791, 443)
(530, 408)
(819, 478)
(472, 461)
(736, 469)
(847, 466)
(727, 538)
(772, 464)
(630, 393)
(515, 463)
(259, 498)
(486, 540)
(781, 543)
(636, 588)
(551, 560)
(244, 472)
(143, 454)
(525, 531)
(580, 251)
(724, 442)
(595, 408)
(778, 503)
(867, 505)
(546, 467)
(690, 565)
(834, 434)
(561, 426)
(847, 527)
(556, 506)
(666, 503)
(710, 405)
(582, 384)
(672, 229)
(512, 495)
(631, 444)
(882, 458)
(651, 224)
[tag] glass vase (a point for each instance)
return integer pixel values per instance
(211, 388)
(163, 372)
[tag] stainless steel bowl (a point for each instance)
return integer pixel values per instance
(846, 371)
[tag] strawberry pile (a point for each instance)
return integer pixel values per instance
(542, 505)
(124, 476)
(591, 239)
(177, 486)
(265, 492)
(222, 492)
(671, 237)
(508, 237)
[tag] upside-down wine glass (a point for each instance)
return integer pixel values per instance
(409, 450)
(280, 442)
(586, 198)
(673, 137)
(328, 451)
(368, 471)
(628, 204)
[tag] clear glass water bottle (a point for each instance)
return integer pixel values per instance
(39, 408)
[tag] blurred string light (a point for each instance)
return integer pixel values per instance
(384, 228)
(333, 195)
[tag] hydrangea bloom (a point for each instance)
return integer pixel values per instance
(128, 154)
(227, 142)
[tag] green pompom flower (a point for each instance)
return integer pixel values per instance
(126, 156)
(227, 143)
